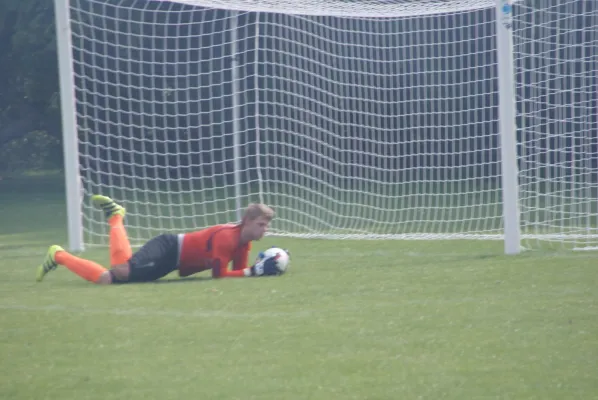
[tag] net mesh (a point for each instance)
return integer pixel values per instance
(370, 119)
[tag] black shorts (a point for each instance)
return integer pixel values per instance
(155, 259)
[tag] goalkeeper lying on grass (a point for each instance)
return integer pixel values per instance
(212, 249)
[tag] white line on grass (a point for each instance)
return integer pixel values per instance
(141, 312)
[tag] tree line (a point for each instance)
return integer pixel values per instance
(30, 135)
(161, 82)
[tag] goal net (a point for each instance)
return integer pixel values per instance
(557, 102)
(352, 119)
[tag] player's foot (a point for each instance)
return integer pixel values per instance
(49, 263)
(107, 205)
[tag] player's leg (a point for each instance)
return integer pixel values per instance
(154, 260)
(86, 269)
(120, 248)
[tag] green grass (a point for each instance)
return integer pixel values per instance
(351, 320)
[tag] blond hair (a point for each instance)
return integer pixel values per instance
(256, 210)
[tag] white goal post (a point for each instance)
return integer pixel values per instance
(367, 119)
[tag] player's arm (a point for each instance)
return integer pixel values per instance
(220, 270)
(222, 257)
(265, 267)
(240, 261)
(223, 251)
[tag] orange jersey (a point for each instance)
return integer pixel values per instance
(214, 248)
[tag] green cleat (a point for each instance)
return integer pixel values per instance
(49, 263)
(107, 205)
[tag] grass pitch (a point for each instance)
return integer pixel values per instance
(351, 320)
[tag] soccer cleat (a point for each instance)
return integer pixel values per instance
(107, 205)
(49, 263)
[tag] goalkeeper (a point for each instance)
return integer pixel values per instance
(211, 249)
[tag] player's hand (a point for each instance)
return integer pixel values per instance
(266, 267)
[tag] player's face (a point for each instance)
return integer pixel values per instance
(256, 229)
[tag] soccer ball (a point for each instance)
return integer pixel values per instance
(283, 260)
